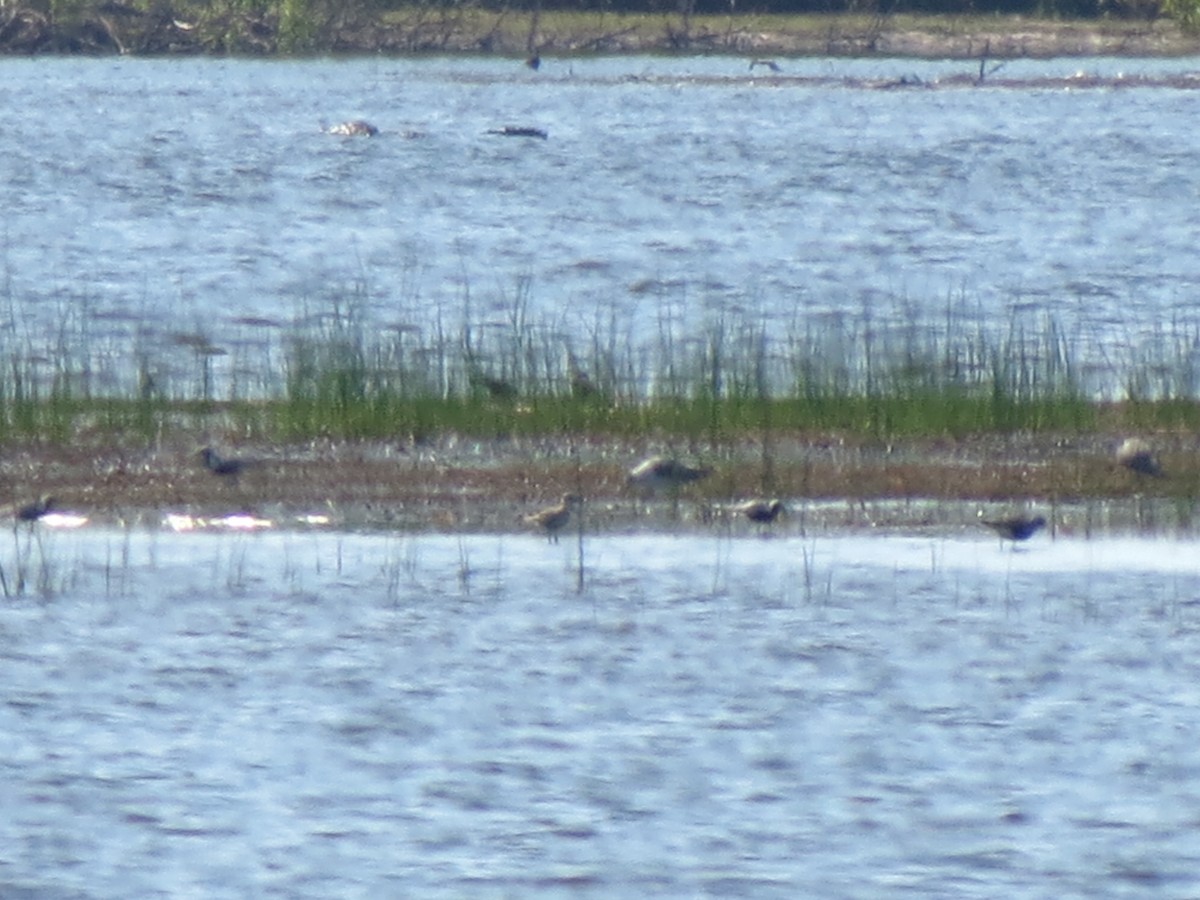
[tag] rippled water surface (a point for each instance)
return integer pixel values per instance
(191, 194)
(320, 714)
(328, 713)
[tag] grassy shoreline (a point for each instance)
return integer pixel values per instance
(348, 414)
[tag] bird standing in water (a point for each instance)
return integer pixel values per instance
(31, 512)
(554, 519)
(764, 512)
(1017, 528)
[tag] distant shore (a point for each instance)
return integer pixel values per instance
(124, 29)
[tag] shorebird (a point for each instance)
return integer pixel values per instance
(354, 128)
(658, 473)
(764, 512)
(222, 467)
(31, 512)
(554, 519)
(1137, 455)
(1017, 528)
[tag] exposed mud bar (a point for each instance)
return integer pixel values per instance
(461, 483)
(1078, 81)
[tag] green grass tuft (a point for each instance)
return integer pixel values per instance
(331, 375)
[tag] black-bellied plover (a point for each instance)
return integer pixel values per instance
(1138, 456)
(554, 519)
(31, 512)
(1016, 528)
(659, 473)
(764, 512)
(225, 467)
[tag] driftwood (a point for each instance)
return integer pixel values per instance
(353, 128)
(519, 131)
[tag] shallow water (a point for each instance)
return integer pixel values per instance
(151, 197)
(321, 714)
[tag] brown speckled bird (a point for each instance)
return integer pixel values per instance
(554, 519)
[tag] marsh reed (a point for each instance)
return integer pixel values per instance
(336, 369)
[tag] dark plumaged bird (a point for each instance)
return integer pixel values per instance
(223, 467)
(765, 63)
(534, 62)
(31, 512)
(1137, 455)
(658, 473)
(764, 512)
(554, 519)
(1017, 528)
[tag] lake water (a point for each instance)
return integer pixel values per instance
(320, 712)
(145, 198)
(310, 714)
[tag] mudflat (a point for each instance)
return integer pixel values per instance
(456, 482)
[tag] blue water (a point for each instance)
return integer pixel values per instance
(323, 712)
(318, 714)
(146, 199)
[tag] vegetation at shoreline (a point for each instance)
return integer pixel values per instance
(533, 27)
(468, 414)
(334, 373)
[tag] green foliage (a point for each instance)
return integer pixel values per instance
(332, 375)
(299, 26)
(1185, 12)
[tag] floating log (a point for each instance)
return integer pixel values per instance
(520, 131)
(354, 128)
